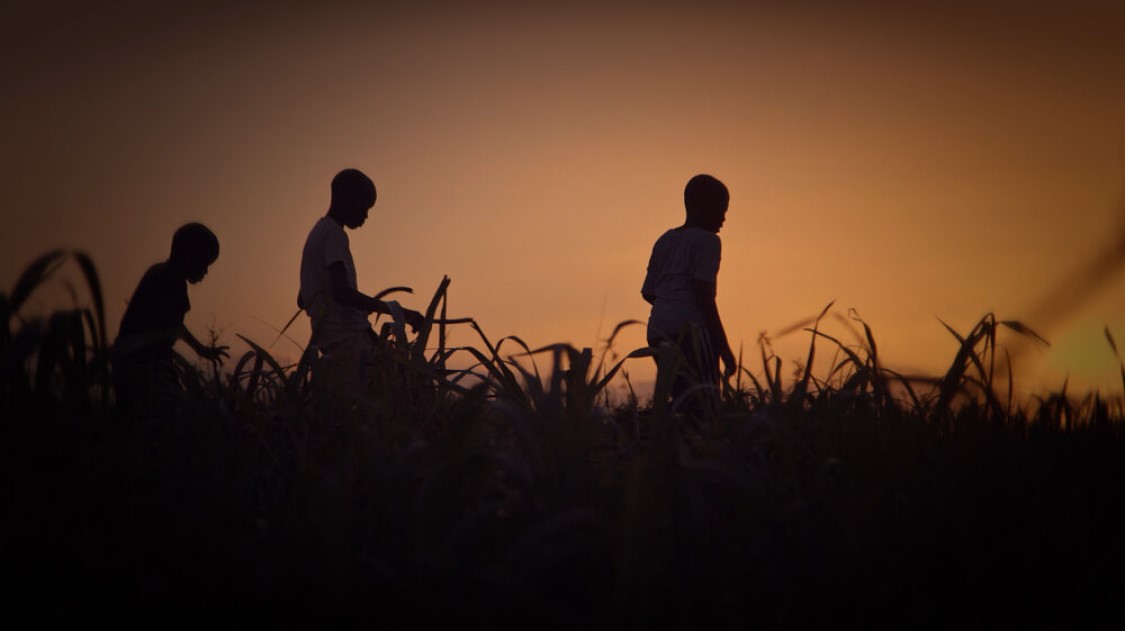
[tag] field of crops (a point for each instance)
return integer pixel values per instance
(517, 491)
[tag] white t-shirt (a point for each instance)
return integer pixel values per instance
(327, 244)
(679, 257)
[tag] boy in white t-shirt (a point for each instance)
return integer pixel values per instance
(329, 293)
(681, 287)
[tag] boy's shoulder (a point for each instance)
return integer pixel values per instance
(691, 234)
(162, 272)
(162, 278)
(326, 227)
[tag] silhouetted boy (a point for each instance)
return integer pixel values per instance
(329, 292)
(154, 319)
(681, 287)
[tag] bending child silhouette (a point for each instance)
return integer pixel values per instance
(154, 320)
(329, 292)
(681, 287)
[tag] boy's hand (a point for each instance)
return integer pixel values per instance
(214, 353)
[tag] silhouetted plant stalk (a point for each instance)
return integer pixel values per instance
(1121, 364)
(973, 368)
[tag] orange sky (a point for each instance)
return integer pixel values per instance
(941, 161)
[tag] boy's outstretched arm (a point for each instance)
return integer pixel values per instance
(705, 293)
(347, 296)
(210, 353)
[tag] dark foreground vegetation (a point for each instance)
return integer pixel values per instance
(501, 496)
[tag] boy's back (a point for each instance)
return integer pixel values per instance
(155, 313)
(679, 257)
(326, 244)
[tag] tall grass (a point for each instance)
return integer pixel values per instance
(60, 357)
(516, 491)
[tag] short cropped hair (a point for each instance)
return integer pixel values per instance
(351, 184)
(194, 239)
(705, 193)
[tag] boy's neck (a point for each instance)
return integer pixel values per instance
(179, 268)
(702, 224)
(334, 215)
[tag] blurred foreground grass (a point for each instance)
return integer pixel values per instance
(507, 495)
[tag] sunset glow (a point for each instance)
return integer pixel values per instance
(919, 166)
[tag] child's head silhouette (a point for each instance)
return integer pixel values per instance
(706, 200)
(353, 194)
(194, 249)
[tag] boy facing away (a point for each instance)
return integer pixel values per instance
(681, 287)
(154, 319)
(329, 292)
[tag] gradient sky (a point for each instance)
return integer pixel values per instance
(940, 160)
